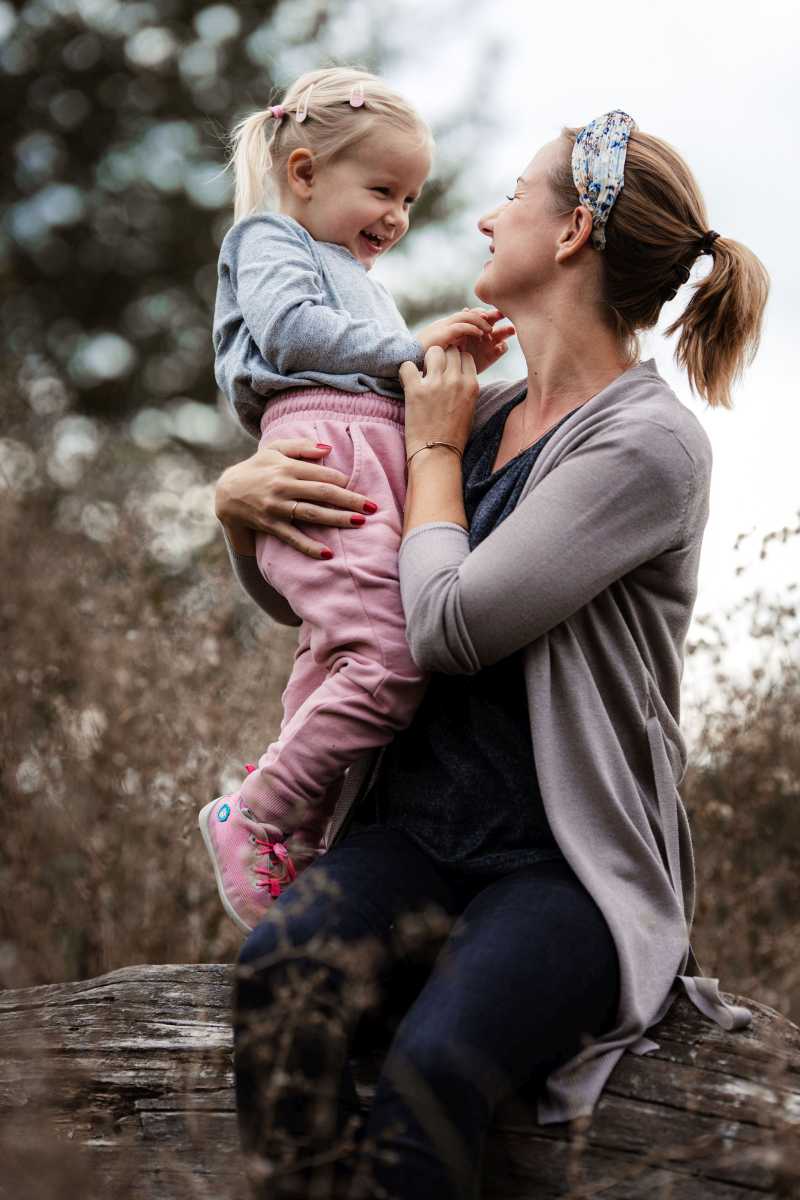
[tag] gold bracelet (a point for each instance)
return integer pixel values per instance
(429, 445)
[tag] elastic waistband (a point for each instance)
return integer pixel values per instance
(323, 401)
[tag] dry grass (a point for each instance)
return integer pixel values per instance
(130, 694)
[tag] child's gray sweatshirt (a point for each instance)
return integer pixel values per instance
(292, 312)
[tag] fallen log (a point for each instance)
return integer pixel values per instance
(122, 1086)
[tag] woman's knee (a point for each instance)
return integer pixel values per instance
(313, 909)
(298, 954)
(260, 945)
(424, 1058)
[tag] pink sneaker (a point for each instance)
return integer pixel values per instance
(252, 865)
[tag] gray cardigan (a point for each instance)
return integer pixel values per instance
(594, 577)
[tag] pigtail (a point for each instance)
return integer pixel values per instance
(347, 105)
(252, 162)
(720, 328)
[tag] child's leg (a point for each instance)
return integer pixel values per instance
(370, 685)
(352, 686)
(305, 677)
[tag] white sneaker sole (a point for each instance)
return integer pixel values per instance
(203, 820)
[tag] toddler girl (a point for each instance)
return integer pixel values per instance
(308, 345)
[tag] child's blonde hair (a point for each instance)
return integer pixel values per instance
(262, 143)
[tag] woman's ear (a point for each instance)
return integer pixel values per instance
(575, 233)
(300, 173)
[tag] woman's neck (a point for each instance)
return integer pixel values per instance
(570, 358)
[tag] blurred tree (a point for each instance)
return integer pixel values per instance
(115, 202)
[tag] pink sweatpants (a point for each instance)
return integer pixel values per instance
(353, 684)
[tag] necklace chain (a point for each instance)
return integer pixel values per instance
(525, 444)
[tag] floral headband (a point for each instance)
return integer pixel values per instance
(598, 166)
(598, 169)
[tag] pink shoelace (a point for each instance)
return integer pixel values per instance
(269, 879)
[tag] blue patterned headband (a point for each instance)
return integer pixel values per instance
(598, 167)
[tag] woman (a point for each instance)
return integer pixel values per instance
(548, 582)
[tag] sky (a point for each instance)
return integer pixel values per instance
(719, 82)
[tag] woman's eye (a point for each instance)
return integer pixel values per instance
(511, 197)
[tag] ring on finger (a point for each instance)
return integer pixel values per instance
(294, 510)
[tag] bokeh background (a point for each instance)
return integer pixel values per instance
(136, 678)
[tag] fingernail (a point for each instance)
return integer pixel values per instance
(357, 519)
(326, 553)
(369, 507)
(322, 446)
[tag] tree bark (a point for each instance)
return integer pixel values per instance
(123, 1085)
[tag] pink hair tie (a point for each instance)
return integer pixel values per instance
(278, 111)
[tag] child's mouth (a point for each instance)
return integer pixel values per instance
(375, 243)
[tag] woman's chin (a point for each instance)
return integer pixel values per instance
(483, 289)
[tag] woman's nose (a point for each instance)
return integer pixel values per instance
(486, 224)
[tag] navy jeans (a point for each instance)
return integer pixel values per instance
(478, 986)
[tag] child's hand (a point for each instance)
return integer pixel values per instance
(486, 350)
(470, 322)
(471, 330)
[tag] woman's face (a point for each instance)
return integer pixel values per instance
(523, 234)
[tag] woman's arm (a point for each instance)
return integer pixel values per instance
(281, 483)
(440, 407)
(253, 582)
(260, 493)
(620, 500)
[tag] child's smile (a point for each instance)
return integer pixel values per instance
(362, 201)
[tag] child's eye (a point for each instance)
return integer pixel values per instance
(384, 191)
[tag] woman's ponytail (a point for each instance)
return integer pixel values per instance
(252, 162)
(720, 327)
(656, 231)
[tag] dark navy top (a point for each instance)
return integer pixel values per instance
(461, 779)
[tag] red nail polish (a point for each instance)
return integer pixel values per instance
(357, 519)
(369, 507)
(322, 446)
(326, 553)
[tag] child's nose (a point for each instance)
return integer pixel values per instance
(396, 219)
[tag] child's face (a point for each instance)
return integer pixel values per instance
(368, 192)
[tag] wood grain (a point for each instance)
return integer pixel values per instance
(123, 1085)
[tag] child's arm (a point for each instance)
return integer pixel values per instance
(279, 291)
(278, 288)
(473, 330)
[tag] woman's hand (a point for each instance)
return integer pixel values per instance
(260, 493)
(440, 405)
